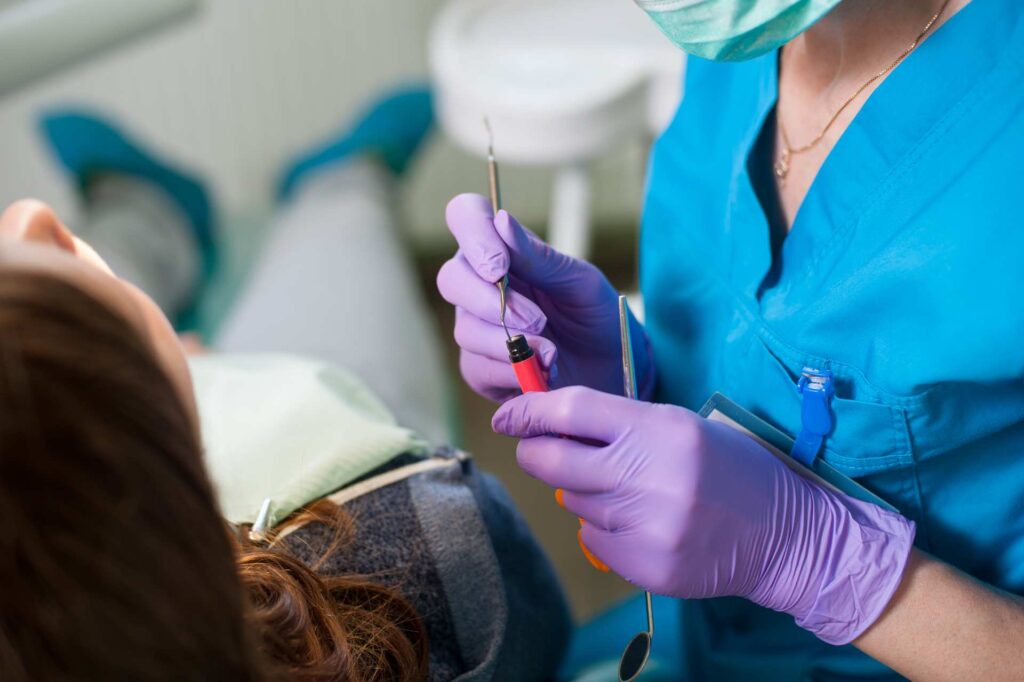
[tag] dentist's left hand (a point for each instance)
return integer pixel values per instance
(693, 508)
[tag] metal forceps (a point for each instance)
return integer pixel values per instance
(635, 656)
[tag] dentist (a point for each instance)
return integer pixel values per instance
(839, 190)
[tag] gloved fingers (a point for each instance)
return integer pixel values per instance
(597, 509)
(491, 379)
(487, 339)
(494, 244)
(620, 552)
(575, 411)
(470, 219)
(461, 286)
(534, 261)
(563, 463)
(531, 258)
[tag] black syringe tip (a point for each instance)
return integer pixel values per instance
(518, 348)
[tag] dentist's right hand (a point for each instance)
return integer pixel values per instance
(565, 307)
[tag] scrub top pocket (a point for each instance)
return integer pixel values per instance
(870, 440)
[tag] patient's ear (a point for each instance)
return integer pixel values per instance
(33, 221)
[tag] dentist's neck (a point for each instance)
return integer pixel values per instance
(858, 39)
(822, 69)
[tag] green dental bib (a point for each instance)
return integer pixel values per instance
(289, 429)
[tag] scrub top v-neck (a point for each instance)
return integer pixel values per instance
(903, 275)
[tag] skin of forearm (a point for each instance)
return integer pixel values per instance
(944, 625)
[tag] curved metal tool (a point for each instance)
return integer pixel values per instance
(638, 651)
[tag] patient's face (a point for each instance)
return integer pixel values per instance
(32, 238)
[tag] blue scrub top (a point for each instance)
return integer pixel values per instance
(903, 274)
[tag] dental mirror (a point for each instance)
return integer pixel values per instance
(634, 658)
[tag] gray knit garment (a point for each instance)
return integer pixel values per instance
(450, 541)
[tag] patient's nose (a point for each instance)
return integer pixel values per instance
(33, 221)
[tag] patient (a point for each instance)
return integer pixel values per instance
(124, 561)
(115, 563)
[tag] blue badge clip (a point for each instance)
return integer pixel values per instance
(816, 390)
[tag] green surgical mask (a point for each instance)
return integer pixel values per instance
(734, 30)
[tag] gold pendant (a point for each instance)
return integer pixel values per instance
(782, 166)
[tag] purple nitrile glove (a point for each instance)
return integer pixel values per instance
(566, 308)
(693, 508)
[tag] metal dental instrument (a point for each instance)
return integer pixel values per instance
(524, 361)
(628, 373)
(492, 179)
(635, 656)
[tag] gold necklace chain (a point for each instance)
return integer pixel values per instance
(788, 150)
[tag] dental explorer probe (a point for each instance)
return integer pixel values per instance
(495, 187)
(524, 361)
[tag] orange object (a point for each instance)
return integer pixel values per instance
(594, 561)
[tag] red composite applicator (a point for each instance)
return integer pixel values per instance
(524, 363)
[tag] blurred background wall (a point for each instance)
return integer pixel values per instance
(242, 85)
